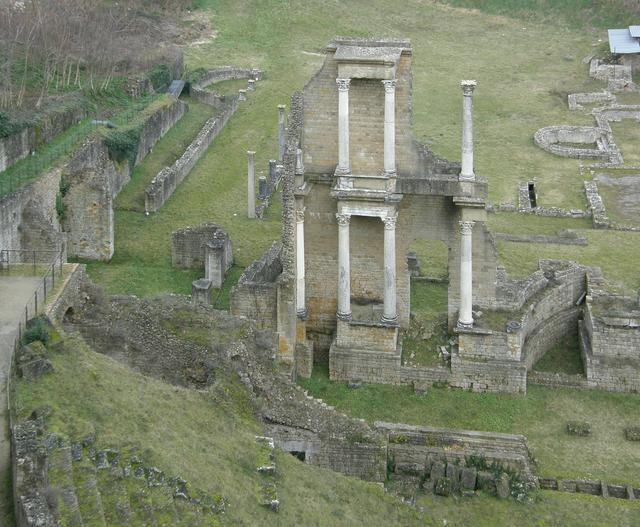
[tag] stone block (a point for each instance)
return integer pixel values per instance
(453, 475)
(503, 486)
(468, 476)
(486, 482)
(201, 292)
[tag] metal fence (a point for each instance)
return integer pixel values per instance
(51, 273)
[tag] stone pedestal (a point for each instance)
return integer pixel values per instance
(466, 172)
(465, 316)
(251, 185)
(201, 292)
(251, 85)
(262, 188)
(214, 263)
(242, 95)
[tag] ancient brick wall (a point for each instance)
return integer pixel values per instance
(188, 245)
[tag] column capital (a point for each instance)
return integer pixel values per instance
(250, 153)
(389, 85)
(281, 107)
(466, 227)
(343, 219)
(343, 84)
(300, 215)
(467, 87)
(390, 221)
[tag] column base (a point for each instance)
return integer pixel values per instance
(302, 314)
(467, 177)
(346, 317)
(342, 171)
(389, 173)
(391, 321)
(465, 325)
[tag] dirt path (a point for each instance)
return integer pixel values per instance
(14, 293)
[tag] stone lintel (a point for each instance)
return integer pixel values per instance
(378, 196)
(474, 330)
(366, 208)
(471, 209)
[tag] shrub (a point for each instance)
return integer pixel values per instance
(8, 126)
(61, 208)
(579, 428)
(632, 433)
(160, 77)
(37, 330)
(123, 144)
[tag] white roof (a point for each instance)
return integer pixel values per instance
(621, 41)
(635, 31)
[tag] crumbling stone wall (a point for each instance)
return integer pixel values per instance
(223, 73)
(167, 180)
(95, 180)
(255, 296)
(28, 216)
(617, 76)
(18, 146)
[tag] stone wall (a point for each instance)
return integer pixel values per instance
(255, 296)
(167, 180)
(560, 140)
(18, 146)
(95, 180)
(222, 73)
(410, 447)
(28, 217)
(617, 76)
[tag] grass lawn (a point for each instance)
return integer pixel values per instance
(564, 357)
(541, 415)
(228, 87)
(164, 153)
(627, 136)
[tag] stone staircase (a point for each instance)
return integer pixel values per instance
(86, 486)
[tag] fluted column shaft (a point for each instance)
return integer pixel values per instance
(390, 310)
(344, 267)
(281, 132)
(466, 172)
(344, 166)
(251, 185)
(465, 314)
(300, 292)
(389, 126)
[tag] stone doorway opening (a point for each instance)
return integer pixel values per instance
(426, 338)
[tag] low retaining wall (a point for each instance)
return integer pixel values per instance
(410, 446)
(15, 147)
(223, 73)
(590, 486)
(550, 138)
(167, 180)
(618, 77)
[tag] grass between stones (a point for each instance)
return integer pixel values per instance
(564, 357)
(541, 415)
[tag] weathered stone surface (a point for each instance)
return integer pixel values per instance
(33, 361)
(486, 482)
(503, 486)
(443, 487)
(468, 477)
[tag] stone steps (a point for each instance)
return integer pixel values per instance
(61, 467)
(89, 497)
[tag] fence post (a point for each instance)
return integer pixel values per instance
(34, 262)
(44, 283)
(36, 311)
(53, 276)
(26, 315)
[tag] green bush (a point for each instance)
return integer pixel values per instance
(8, 126)
(160, 77)
(37, 330)
(123, 144)
(61, 208)
(632, 433)
(579, 428)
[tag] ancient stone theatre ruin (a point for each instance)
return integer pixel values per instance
(358, 191)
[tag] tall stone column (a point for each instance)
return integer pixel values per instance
(299, 162)
(344, 166)
(281, 132)
(251, 184)
(390, 313)
(465, 315)
(300, 293)
(467, 173)
(344, 271)
(389, 127)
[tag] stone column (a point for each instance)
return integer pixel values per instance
(242, 95)
(299, 162)
(281, 132)
(389, 127)
(390, 313)
(251, 185)
(300, 294)
(465, 315)
(201, 292)
(251, 85)
(466, 173)
(344, 273)
(343, 126)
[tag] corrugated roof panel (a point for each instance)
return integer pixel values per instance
(621, 41)
(635, 31)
